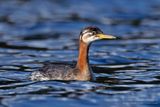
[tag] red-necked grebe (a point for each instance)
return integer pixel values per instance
(82, 70)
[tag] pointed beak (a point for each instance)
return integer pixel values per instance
(103, 36)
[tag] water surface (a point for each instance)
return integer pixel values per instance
(35, 32)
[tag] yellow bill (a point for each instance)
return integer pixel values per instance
(103, 36)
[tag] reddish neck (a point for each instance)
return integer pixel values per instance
(83, 63)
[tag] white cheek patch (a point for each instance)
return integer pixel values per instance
(88, 39)
(85, 37)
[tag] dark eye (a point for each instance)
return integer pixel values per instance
(93, 33)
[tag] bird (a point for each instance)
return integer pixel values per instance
(82, 70)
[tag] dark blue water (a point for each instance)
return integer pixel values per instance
(34, 32)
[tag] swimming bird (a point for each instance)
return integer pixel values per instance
(82, 71)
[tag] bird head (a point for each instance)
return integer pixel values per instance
(90, 34)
